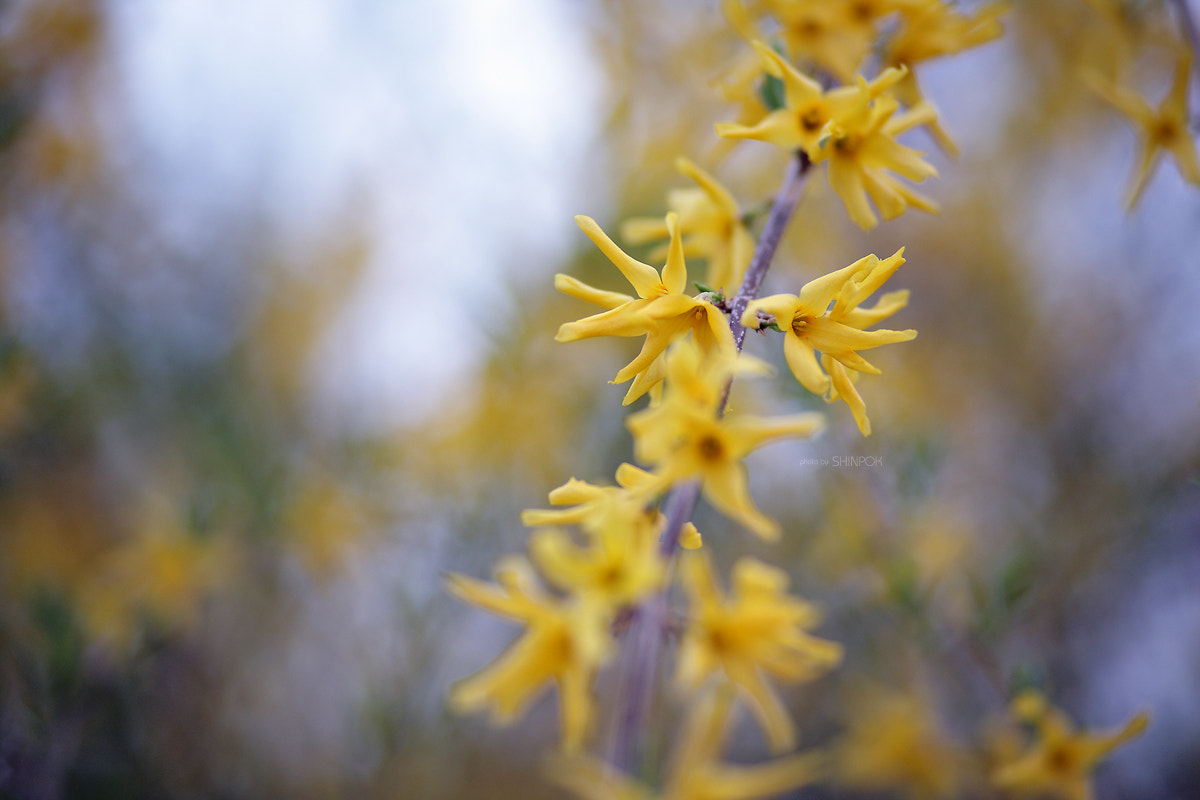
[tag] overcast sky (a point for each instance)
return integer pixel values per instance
(464, 124)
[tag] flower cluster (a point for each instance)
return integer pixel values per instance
(634, 573)
(854, 127)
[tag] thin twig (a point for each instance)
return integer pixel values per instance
(764, 254)
(641, 655)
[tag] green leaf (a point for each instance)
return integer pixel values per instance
(771, 92)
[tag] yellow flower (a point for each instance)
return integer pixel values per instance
(827, 34)
(662, 311)
(1166, 128)
(711, 225)
(589, 503)
(930, 29)
(809, 324)
(740, 83)
(696, 771)
(758, 629)
(620, 563)
(564, 642)
(684, 437)
(860, 145)
(808, 108)
(893, 743)
(936, 28)
(597, 509)
(1061, 762)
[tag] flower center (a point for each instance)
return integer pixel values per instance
(845, 143)
(812, 120)
(810, 27)
(1166, 130)
(800, 323)
(1061, 760)
(710, 448)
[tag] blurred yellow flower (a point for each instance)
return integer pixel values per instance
(589, 503)
(893, 743)
(620, 563)
(807, 107)
(929, 29)
(757, 629)
(710, 223)
(662, 312)
(1166, 128)
(830, 35)
(861, 149)
(564, 642)
(696, 771)
(599, 509)
(935, 28)
(1061, 762)
(161, 573)
(809, 324)
(685, 439)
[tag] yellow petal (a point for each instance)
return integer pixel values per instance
(643, 277)
(589, 294)
(802, 361)
(727, 489)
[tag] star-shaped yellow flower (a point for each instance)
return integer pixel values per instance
(662, 312)
(711, 224)
(861, 149)
(600, 509)
(1163, 129)
(757, 629)
(827, 34)
(826, 317)
(564, 642)
(894, 744)
(937, 28)
(808, 108)
(685, 439)
(696, 771)
(1060, 764)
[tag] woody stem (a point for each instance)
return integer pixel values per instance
(643, 645)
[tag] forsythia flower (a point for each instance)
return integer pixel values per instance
(758, 628)
(598, 508)
(930, 29)
(860, 145)
(711, 225)
(1166, 128)
(662, 312)
(1061, 762)
(810, 324)
(936, 28)
(808, 108)
(830, 35)
(684, 439)
(894, 744)
(696, 772)
(620, 563)
(589, 503)
(564, 642)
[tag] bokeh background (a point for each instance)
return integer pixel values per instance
(276, 352)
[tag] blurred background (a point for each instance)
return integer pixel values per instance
(276, 352)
